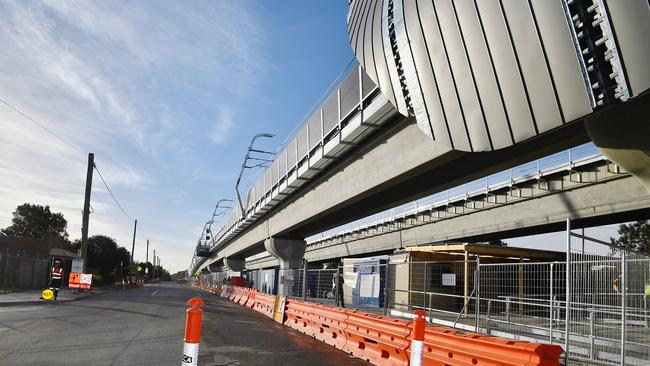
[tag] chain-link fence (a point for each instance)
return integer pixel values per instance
(22, 272)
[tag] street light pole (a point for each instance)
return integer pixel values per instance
(146, 262)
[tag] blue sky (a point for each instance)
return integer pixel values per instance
(166, 94)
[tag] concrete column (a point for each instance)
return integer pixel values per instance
(621, 133)
(289, 253)
(214, 267)
(235, 264)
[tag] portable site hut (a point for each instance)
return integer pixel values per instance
(441, 276)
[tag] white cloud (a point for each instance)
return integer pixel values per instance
(222, 126)
(136, 83)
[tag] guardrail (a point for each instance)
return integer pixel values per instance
(565, 160)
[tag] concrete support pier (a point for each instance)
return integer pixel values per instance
(289, 253)
(235, 264)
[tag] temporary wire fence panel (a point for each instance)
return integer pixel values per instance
(321, 286)
(263, 280)
(607, 310)
(441, 288)
(291, 283)
(604, 320)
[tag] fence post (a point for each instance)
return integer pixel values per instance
(338, 286)
(567, 302)
(386, 283)
(304, 279)
(477, 286)
(550, 312)
(623, 304)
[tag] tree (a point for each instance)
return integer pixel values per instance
(635, 236)
(36, 221)
(180, 275)
(497, 243)
(104, 255)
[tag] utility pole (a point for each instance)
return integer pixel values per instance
(135, 227)
(86, 211)
(154, 263)
(146, 262)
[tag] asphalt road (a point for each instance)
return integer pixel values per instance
(145, 326)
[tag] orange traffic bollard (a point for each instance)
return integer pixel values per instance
(417, 341)
(192, 332)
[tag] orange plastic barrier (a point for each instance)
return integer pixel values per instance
(234, 293)
(299, 316)
(244, 296)
(457, 348)
(330, 325)
(377, 339)
(265, 304)
(251, 299)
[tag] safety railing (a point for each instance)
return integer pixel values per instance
(336, 119)
(565, 160)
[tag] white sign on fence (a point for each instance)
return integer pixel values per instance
(449, 279)
(77, 266)
(369, 285)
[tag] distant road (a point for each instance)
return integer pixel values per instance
(145, 326)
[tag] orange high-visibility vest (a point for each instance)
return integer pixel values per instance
(57, 274)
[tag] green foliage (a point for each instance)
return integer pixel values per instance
(104, 255)
(331, 264)
(635, 236)
(156, 272)
(180, 275)
(36, 221)
(497, 243)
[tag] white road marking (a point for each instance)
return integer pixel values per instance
(154, 292)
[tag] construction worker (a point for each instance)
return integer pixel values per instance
(56, 277)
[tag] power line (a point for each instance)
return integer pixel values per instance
(111, 193)
(41, 125)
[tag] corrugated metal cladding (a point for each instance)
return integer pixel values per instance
(481, 75)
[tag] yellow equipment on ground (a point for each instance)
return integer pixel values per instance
(47, 294)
